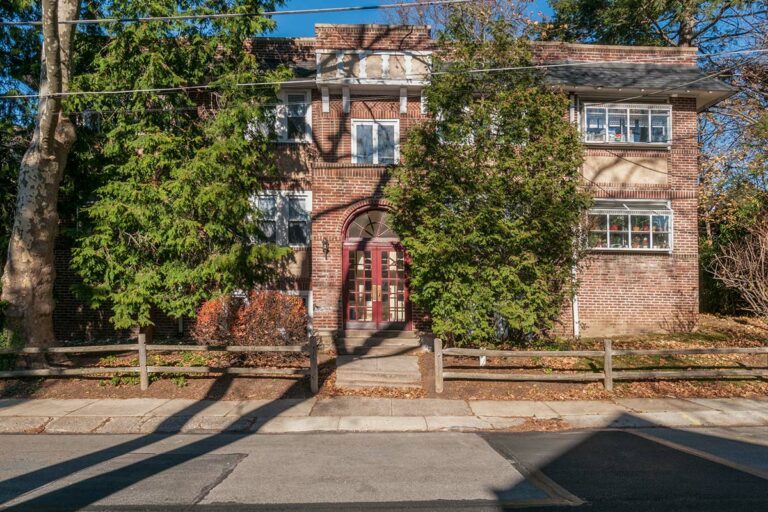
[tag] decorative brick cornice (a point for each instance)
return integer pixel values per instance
(349, 170)
(627, 153)
(550, 51)
(629, 186)
(373, 37)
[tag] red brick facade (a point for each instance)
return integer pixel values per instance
(373, 37)
(634, 292)
(620, 292)
(545, 52)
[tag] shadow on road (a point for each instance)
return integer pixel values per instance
(653, 468)
(88, 491)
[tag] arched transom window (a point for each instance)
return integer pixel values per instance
(372, 224)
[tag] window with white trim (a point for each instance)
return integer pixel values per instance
(294, 117)
(627, 123)
(285, 217)
(630, 226)
(375, 142)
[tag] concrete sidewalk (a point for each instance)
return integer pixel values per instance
(354, 414)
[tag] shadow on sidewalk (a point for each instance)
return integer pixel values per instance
(95, 488)
(655, 468)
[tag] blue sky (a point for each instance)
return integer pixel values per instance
(303, 24)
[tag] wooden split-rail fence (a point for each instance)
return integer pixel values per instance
(144, 369)
(607, 374)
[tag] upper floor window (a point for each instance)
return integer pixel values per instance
(630, 225)
(285, 216)
(627, 124)
(375, 142)
(294, 117)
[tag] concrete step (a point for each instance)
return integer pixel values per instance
(372, 334)
(377, 343)
(376, 351)
(364, 384)
(382, 347)
(388, 371)
(392, 377)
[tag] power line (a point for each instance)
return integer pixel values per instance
(190, 17)
(423, 75)
(156, 89)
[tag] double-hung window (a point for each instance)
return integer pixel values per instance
(298, 220)
(267, 206)
(285, 217)
(627, 123)
(294, 117)
(375, 142)
(627, 225)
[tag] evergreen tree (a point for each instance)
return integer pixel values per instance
(710, 24)
(487, 198)
(175, 224)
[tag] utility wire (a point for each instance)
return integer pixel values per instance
(425, 74)
(189, 17)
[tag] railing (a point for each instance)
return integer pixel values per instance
(143, 369)
(607, 374)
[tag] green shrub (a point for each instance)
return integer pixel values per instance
(487, 199)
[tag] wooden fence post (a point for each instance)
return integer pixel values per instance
(438, 365)
(143, 375)
(314, 376)
(608, 365)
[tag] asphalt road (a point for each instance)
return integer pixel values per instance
(649, 470)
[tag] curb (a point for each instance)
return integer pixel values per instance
(288, 425)
(358, 414)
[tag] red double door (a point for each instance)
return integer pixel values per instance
(376, 291)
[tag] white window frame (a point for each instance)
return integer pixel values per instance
(281, 119)
(375, 123)
(630, 207)
(626, 106)
(282, 220)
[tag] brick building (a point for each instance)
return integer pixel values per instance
(358, 90)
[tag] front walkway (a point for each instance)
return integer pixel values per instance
(354, 414)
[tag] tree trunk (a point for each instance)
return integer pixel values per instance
(29, 270)
(687, 26)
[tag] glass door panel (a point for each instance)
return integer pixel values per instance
(360, 287)
(392, 286)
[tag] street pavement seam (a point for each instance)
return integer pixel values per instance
(205, 491)
(558, 494)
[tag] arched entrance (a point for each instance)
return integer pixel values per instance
(375, 286)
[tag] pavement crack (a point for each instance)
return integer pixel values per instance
(239, 457)
(142, 420)
(100, 425)
(41, 428)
